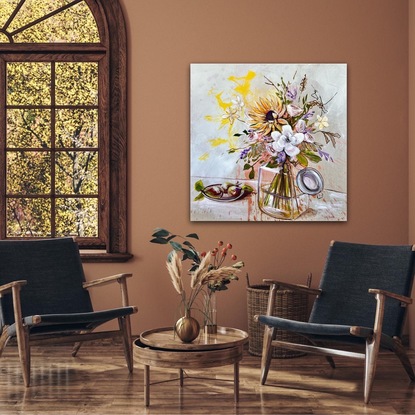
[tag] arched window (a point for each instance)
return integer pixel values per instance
(63, 128)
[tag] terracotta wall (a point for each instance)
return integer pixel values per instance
(165, 36)
(411, 217)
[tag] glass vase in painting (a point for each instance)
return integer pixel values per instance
(278, 194)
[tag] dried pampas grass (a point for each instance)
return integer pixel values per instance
(203, 268)
(174, 266)
(219, 274)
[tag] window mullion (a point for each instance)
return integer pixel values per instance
(53, 150)
(3, 118)
(46, 16)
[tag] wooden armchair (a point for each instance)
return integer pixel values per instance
(44, 299)
(344, 310)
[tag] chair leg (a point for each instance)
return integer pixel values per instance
(269, 334)
(77, 345)
(76, 348)
(330, 361)
(4, 338)
(24, 353)
(372, 351)
(125, 327)
(403, 357)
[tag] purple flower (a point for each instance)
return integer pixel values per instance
(281, 157)
(308, 115)
(292, 92)
(325, 155)
(244, 152)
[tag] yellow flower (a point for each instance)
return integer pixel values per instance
(267, 115)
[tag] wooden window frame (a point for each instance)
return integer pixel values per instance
(112, 30)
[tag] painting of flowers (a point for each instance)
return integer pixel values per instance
(268, 142)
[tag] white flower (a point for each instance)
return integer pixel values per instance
(294, 110)
(231, 114)
(238, 103)
(287, 141)
(301, 127)
(322, 122)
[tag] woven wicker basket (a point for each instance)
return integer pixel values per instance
(289, 304)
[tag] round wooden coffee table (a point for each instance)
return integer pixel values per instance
(162, 348)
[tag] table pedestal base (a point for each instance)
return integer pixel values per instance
(191, 359)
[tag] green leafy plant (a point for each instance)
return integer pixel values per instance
(165, 237)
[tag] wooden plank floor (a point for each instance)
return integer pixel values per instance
(97, 382)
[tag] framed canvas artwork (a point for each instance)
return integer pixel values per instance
(268, 142)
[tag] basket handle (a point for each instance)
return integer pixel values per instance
(247, 280)
(309, 279)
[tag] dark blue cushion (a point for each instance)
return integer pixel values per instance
(54, 274)
(350, 270)
(71, 322)
(54, 290)
(306, 328)
(325, 332)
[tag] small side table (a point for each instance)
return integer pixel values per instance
(162, 348)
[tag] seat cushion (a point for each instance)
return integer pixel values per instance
(71, 322)
(306, 328)
(326, 332)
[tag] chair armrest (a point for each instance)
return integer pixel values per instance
(401, 298)
(6, 288)
(294, 287)
(14, 287)
(120, 278)
(106, 280)
(274, 285)
(380, 310)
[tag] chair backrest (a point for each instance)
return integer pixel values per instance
(350, 270)
(54, 274)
